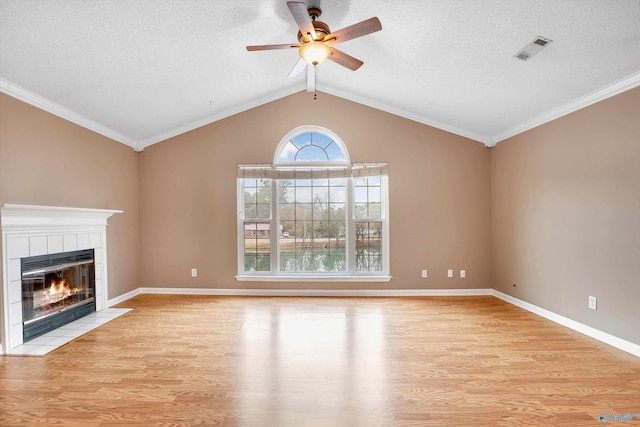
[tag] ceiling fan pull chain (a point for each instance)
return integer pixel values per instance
(315, 81)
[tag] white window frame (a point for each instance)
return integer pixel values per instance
(342, 167)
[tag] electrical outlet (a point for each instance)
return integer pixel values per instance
(463, 274)
(449, 273)
(194, 272)
(593, 303)
(424, 273)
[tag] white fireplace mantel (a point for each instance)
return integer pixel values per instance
(29, 230)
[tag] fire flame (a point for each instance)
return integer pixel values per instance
(58, 291)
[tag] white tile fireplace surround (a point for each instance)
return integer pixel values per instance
(29, 230)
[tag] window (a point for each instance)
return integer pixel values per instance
(312, 215)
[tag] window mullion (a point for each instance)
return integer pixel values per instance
(240, 222)
(274, 250)
(385, 224)
(350, 227)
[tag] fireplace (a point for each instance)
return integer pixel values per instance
(56, 289)
(46, 231)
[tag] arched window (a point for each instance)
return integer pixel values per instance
(310, 145)
(312, 215)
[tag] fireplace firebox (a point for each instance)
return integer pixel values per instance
(56, 289)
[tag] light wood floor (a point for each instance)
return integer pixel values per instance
(200, 360)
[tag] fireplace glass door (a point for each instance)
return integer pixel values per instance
(56, 289)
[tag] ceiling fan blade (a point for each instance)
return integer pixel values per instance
(345, 60)
(300, 14)
(311, 79)
(273, 46)
(360, 29)
(297, 69)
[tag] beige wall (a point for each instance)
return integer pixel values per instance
(45, 160)
(566, 215)
(439, 191)
(558, 207)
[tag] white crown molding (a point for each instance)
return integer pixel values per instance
(38, 101)
(49, 106)
(604, 337)
(141, 145)
(627, 83)
(486, 140)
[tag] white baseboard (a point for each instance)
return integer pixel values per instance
(123, 297)
(317, 292)
(606, 338)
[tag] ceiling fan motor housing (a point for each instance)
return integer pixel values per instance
(322, 29)
(314, 12)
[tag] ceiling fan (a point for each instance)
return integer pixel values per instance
(316, 41)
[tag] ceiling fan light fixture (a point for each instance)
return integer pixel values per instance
(314, 52)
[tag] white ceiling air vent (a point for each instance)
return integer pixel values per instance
(532, 48)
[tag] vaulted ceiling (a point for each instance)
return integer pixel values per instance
(143, 71)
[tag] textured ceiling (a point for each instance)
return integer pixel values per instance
(142, 71)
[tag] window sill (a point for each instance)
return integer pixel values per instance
(308, 278)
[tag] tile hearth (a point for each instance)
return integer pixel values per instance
(52, 340)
